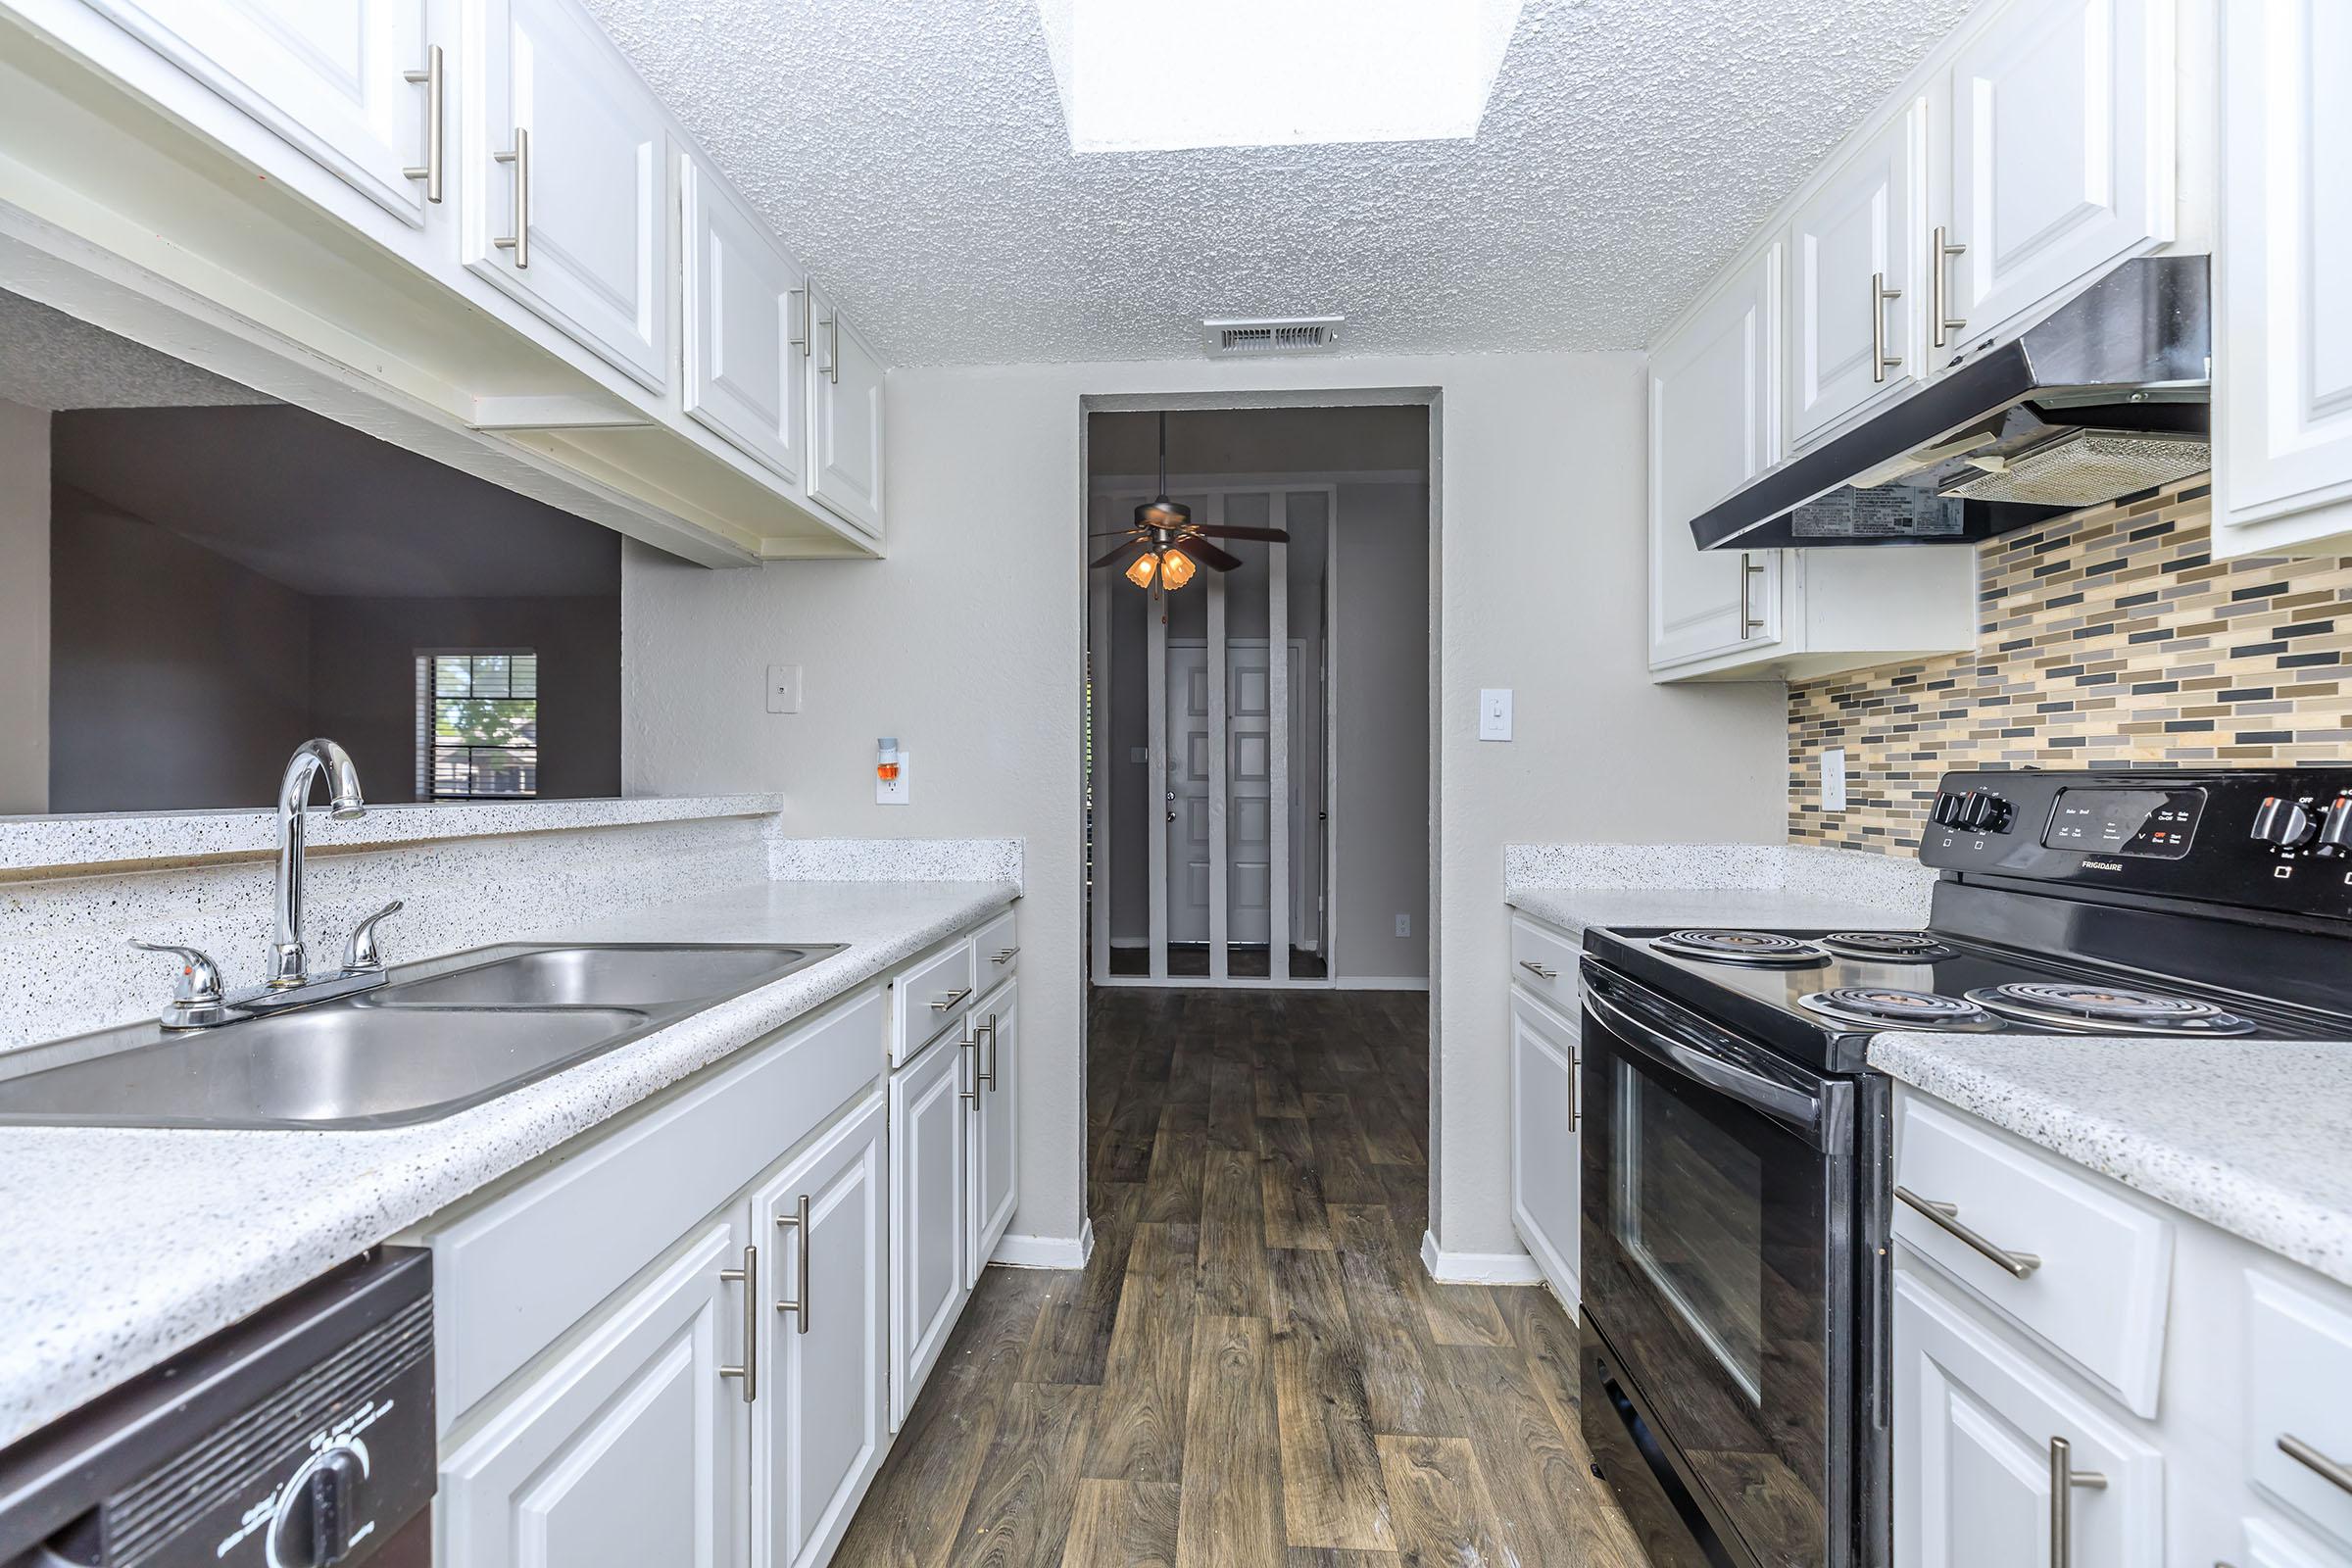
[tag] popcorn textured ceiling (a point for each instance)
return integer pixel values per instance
(915, 152)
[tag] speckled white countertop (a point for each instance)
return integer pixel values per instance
(1571, 910)
(1572, 886)
(118, 1246)
(2247, 1135)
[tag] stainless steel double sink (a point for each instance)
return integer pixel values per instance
(436, 1040)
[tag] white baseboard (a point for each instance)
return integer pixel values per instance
(1046, 1251)
(1384, 982)
(1478, 1268)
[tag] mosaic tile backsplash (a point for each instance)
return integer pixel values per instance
(2110, 637)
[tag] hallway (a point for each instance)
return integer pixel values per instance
(1252, 1371)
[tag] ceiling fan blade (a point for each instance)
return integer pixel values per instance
(1117, 533)
(1217, 531)
(1115, 555)
(1209, 555)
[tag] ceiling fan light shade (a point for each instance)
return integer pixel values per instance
(1145, 568)
(1176, 569)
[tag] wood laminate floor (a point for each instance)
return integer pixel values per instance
(1253, 1371)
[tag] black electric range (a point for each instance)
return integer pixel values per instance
(1736, 1144)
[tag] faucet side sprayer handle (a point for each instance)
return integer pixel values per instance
(361, 955)
(196, 1002)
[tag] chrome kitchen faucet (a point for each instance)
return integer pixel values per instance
(197, 1000)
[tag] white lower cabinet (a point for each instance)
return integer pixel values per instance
(1544, 1145)
(1995, 1458)
(625, 1451)
(930, 1277)
(994, 1166)
(820, 1423)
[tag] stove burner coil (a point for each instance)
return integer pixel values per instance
(1761, 948)
(2113, 1008)
(1915, 946)
(1880, 1004)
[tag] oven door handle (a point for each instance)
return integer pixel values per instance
(1784, 1103)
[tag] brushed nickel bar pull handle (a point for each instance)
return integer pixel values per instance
(748, 1277)
(2063, 1479)
(2333, 1472)
(951, 999)
(832, 364)
(799, 310)
(432, 80)
(1004, 954)
(1749, 621)
(971, 1096)
(1539, 972)
(799, 1224)
(1576, 1087)
(986, 1080)
(1881, 362)
(521, 242)
(1948, 1215)
(1941, 254)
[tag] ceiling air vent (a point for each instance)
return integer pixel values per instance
(1272, 334)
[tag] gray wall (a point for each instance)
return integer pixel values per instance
(1380, 679)
(364, 688)
(178, 680)
(24, 608)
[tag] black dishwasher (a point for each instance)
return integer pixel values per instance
(299, 1438)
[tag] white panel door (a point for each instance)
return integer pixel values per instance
(1854, 251)
(1187, 807)
(2283, 366)
(1544, 1176)
(1975, 1427)
(328, 76)
(1249, 784)
(996, 1124)
(821, 1421)
(846, 402)
(929, 1173)
(591, 252)
(1714, 424)
(2062, 150)
(748, 321)
(626, 1451)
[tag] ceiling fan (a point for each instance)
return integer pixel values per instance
(1169, 544)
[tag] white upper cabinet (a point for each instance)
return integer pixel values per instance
(747, 326)
(1714, 424)
(330, 76)
(2284, 347)
(2062, 152)
(846, 402)
(1854, 253)
(569, 166)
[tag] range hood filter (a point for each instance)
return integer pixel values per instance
(2085, 467)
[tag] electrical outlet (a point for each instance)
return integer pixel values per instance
(783, 688)
(1494, 713)
(1138, 754)
(1404, 925)
(1833, 778)
(893, 792)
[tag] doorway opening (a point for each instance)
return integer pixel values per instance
(1257, 728)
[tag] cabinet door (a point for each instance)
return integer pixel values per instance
(2062, 150)
(328, 76)
(995, 1125)
(1977, 1429)
(624, 1452)
(930, 1189)
(820, 1422)
(1714, 424)
(2284, 365)
(846, 402)
(1545, 1069)
(1854, 251)
(591, 252)
(747, 326)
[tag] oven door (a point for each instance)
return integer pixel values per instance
(1718, 1268)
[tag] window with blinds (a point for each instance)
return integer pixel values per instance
(477, 724)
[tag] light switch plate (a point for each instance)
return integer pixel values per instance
(1833, 778)
(1494, 713)
(783, 688)
(894, 792)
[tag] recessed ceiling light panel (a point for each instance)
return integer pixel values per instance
(1147, 75)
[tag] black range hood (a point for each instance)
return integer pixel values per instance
(2107, 397)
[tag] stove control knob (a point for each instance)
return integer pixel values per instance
(1947, 809)
(2336, 828)
(1980, 813)
(2282, 822)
